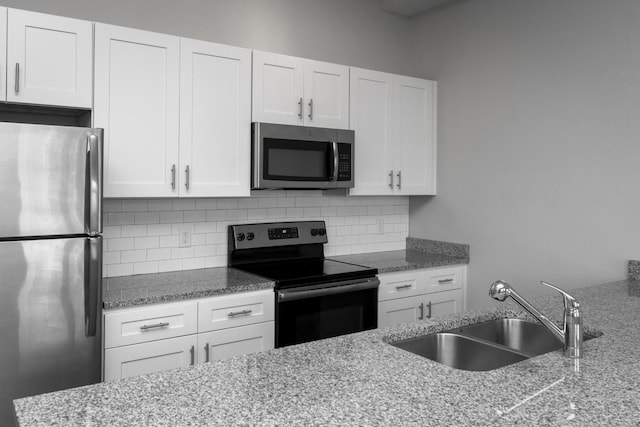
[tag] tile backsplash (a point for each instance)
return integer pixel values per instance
(142, 235)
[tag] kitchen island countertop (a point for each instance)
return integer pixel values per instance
(359, 379)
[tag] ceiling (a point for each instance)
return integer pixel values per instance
(410, 8)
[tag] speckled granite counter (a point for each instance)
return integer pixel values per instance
(178, 285)
(359, 380)
(420, 253)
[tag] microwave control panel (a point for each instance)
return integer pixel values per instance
(344, 162)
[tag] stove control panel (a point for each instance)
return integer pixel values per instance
(265, 235)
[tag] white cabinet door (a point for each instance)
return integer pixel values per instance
(137, 103)
(49, 59)
(215, 119)
(155, 356)
(415, 130)
(401, 310)
(443, 303)
(236, 309)
(3, 53)
(371, 116)
(400, 284)
(226, 343)
(277, 89)
(326, 95)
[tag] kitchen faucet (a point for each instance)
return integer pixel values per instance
(571, 336)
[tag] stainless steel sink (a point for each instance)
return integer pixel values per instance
(521, 335)
(485, 346)
(457, 351)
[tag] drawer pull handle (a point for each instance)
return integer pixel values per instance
(154, 326)
(400, 287)
(429, 307)
(239, 313)
(206, 353)
(445, 281)
(193, 355)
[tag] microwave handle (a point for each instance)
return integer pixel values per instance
(333, 167)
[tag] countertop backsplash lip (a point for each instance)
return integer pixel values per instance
(457, 250)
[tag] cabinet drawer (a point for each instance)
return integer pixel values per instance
(399, 285)
(234, 310)
(133, 326)
(444, 279)
(226, 343)
(133, 360)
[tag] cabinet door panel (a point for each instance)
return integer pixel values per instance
(401, 310)
(235, 310)
(415, 136)
(326, 95)
(3, 54)
(215, 119)
(371, 118)
(155, 356)
(227, 343)
(277, 88)
(443, 303)
(400, 285)
(54, 57)
(137, 102)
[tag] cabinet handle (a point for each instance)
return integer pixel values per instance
(391, 179)
(239, 313)
(441, 281)
(300, 108)
(399, 287)
(154, 326)
(399, 180)
(429, 307)
(206, 353)
(311, 109)
(173, 177)
(186, 171)
(193, 355)
(17, 87)
(421, 307)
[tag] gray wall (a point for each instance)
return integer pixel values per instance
(539, 139)
(353, 32)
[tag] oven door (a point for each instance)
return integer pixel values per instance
(323, 311)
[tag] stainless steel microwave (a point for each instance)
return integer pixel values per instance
(285, 156)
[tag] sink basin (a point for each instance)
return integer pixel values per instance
(485, 346)
(521, 335)
(460, 352)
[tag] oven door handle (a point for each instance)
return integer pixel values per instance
(332, 289)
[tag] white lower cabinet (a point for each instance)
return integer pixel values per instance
(415, 295)
(158, 337)
(154, 356)
(232, 342)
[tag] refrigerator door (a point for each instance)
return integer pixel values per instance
(50, 317)
(50, 180)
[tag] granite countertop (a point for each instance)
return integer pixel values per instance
(128, 291)
(359, 379)
(143, 289)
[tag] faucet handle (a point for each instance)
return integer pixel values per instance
(569, 301)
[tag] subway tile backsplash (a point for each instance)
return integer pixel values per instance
(142, 235)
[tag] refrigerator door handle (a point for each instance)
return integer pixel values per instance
(92, 284)
(93, 186)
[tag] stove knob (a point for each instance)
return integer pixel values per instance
(322, 231)
(314, 232)
(240, 237)
(250, 236)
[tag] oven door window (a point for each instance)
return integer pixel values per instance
(289, 160)
(327, 316)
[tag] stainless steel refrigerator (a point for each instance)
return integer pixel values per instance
(50, 260)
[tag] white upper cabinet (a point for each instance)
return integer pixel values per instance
(296, 91)
(176, 112)
(3, 53)
(394, 119)
(137, 103)
(215, 119)
(49, 59)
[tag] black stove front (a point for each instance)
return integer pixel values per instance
(316, 297)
